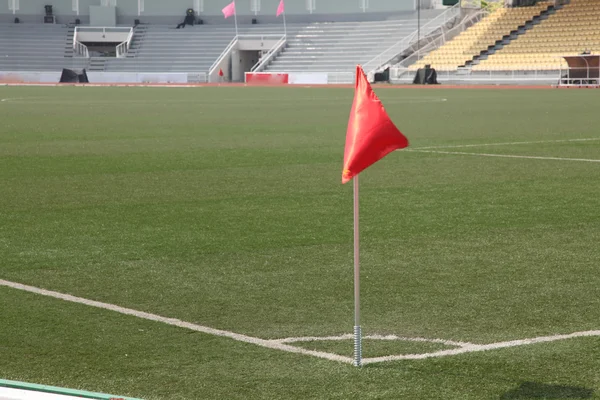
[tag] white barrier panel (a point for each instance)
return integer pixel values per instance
(18, 394)
(307, 78)
(136, 77)
(33, 77)
(99, 77)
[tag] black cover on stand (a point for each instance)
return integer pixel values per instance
(70, 76)
(426, 76)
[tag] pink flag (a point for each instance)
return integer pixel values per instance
(229, 9)
(280, 9)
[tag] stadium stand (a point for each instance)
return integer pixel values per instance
(340, 46)
(570, 31)
(36, 47)
(159, 48)
(478, 38)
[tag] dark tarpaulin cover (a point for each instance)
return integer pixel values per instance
(70, 76)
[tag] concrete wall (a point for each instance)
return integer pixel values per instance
(172, 11)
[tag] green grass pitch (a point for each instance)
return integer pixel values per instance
(224, 207)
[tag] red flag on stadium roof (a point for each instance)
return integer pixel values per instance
(280, 9)
(371, 134)
(229, 9)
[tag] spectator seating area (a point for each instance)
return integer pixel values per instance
(191, 49)
(325, 47)
(570, 31)
(36, 47)
(477, 38)
(340, 46)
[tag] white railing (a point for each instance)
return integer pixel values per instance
(340, 77)
(197, 77)
(225, 53)
(267, 58)
(262, 38)
(552, 76)
(101, 29)
(123, 48)
(390, 53)
(80, 49)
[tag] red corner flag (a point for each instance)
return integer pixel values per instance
(371, 134)
(221, 72)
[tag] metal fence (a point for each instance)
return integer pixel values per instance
(516, 76)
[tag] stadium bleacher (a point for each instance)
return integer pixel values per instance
(35, 47)
(477, 38)
(313, 46)
(340, 46)
(193, 49)
(570, 31)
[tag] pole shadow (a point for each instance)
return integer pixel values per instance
(535, 390)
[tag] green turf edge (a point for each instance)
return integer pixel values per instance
(59, 390)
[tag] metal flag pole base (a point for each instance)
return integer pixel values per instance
(357, 346)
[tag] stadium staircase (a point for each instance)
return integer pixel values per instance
(97, 64)
(330, 47)
(487, 37)
(572, 30)
(137, 41)
(69, 42)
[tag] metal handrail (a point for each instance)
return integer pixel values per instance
(262, 37)
(123, 48)
(262, 63)
(80, 49)
(436, 43)
(403, 44)
(102, 29)
(230, 46)
(514, 74)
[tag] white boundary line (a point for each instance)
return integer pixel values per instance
(504, 144)
(272, 344)
(471, 348)
(504, 155)
(280, 344)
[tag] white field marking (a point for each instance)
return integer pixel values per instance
(505, 144)
(350, 336)
(279, 344)
(271, 344)
(505, 155)
(471, 348)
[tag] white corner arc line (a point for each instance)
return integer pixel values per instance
(506, 143)
(350, 336)
(471, 348)
(271, 344)
(279, 344)
(505, 155)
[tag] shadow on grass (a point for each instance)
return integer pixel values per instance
(534, 390)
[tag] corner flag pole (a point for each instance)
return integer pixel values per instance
(357, 330)
(235, 20)
(284, 25)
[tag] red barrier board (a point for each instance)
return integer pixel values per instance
(261, 78)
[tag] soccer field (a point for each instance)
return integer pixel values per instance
(223, 207)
